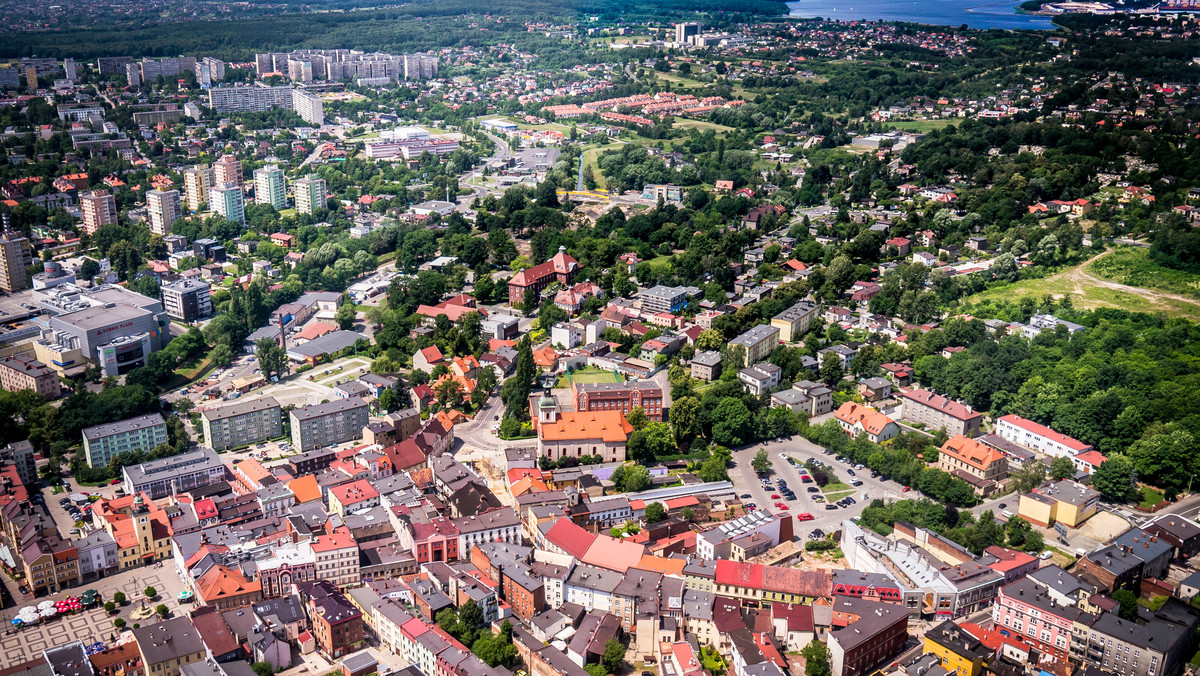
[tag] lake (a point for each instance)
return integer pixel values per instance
(974, 13)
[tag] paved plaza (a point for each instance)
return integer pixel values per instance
(20, 645)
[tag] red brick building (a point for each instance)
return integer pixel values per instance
(621, 397)
(561, 268)
(336, 625)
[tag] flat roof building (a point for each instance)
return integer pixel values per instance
(327, 424)
(176, 474)
(243, 423)
(102, 443)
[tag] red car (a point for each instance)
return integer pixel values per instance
(774, 496)
(780, 505)
(115, 482)
(804, 517)
(905, 489)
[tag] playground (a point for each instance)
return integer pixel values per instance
(587, 375)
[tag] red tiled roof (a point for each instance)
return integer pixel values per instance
(570, 537)
(952, 408)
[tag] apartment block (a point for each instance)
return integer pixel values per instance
(196, 183)
(227, 170)
(269, 187)
(15, 258)
(99, 208)
(19, 372)
(1039, 438)
(936, 412)
(310, 194)
(242, 424)
(328, 424)
(794, 321)
(759, 342)
(163, 208)
(176, 474)
(226, 201)
(102, 443)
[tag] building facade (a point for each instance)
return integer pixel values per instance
(102, 443)
(163, 208)
(242, 423)
(310, 194)
(225, 200)
(99, 208)
(269, 187)
(187, 300)
(20, 372)
(328, 424)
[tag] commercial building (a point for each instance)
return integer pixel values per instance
(1024, 608)
(936, 412)
(1156, 646)
(758, 342)
(104, 442)
(663, 299)
(163, 208)
(959, 652)
(15, 258)
(328, 424)
(225, 200)
(269, 187)
(310, 194)
(1065, 502)
(20, 372)
(794, 321)
(176, 474)
(576, 434)
(561, 268)
(685, 30)
(187, 300)
(99, 208)
(242, 423)
(115, 327)
(196, 182)
(623, 397)
(1039, 438)
(336, 625)
(227, 170)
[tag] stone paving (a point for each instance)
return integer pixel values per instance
(20, 645)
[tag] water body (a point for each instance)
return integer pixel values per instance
(973, 13)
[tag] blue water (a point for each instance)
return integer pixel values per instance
(974, 13)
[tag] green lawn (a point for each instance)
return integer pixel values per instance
(588, 375)
(921, 126)
(1150, 497)
(836, 487)
(660, 265)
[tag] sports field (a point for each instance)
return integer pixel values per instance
(588, 375)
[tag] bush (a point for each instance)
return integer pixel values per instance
(819, 545)
(162, 610)
(119, 598)
(119, 623)
(150, 592)
(110, 607)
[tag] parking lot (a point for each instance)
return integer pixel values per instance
(746, 482)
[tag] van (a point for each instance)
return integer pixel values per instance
(1081, 552)
(1007, 514)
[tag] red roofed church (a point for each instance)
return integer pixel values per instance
(561, 268)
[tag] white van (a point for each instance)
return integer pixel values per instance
(1007, 514)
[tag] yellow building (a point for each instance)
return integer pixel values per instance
(794, 321)
(960, 652)
(1065, 502)
(141, 528)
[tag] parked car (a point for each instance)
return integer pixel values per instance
(813, 489)
(850, 472)
(831, 506)
(804, 517)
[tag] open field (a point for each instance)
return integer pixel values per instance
(921, 126)
(685, 123)
(1089, 292)
(1132, 265)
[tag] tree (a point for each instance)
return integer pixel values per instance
(272, 359)
(345, 316)
(634, 478)
(262, 668)
(119, 623)
(655, 512)
(761, 461)
(119, 598)
(637, 418)
(1115, 478)
(710, 339)
(650, 442)
(150, 592)
(732, 422)
(816, 659)
(162, 610)
(110, 607)
(1062, 468)
(685, 418)
(831, 370)
(1028, 477)
(221, 355)
(614, 655)
(1129, 604)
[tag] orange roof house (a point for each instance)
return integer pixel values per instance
(546, 358)
(974, 462)
(856, 419)
(305, 488)
(227, 588)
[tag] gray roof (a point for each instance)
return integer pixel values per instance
(797, 311)
(1143, 545)
(1069, 492)
(335, 341)
(790, 397)
(1059, 580)
(874, 618)
(698, 604)
(193, 461)
(123, 426)
(168, 640)
(101, 316)
(707, 358)
(591, 577)
(755, 335)
(328, 408)
(185, 285)
(240, 408)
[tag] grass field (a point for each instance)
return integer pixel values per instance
(1132, 265)
(1150, 497)
(591, 158)
(921, 126)
(675, 78)
(683, 123)
(588, 375)
(1091, 292)
(660, 265)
